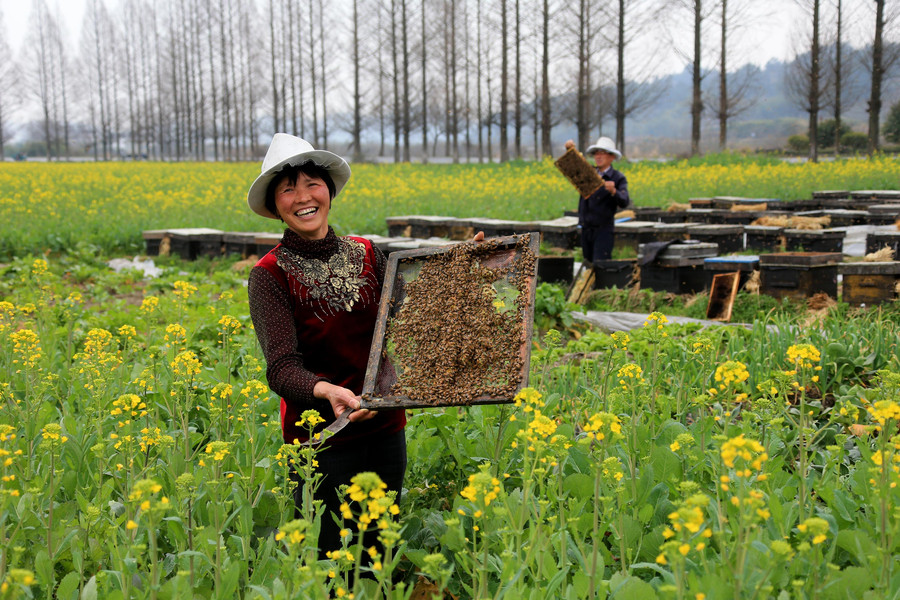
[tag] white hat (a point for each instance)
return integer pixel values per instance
(605, 144)
(288, 150)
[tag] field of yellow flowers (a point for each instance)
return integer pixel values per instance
(107, 205)
(140, 457)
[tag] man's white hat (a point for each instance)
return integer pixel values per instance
(288, 150)
(605, 144)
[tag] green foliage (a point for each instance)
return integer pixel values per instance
(855, 140)
(825, 132)
(892, 124)
(798, 142)
(551, 309)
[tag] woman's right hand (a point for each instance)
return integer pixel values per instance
(342, 400)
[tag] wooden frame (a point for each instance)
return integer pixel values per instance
(403, 266)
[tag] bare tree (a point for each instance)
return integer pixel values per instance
(636, 25)
(803, 77)
(884, 58)
(517, 109)
(357, 108)
(545, 79)
(39, 42)
(424, 73)
(736, 92)
(504, 83)
(8, 75)
(583, 86)
(406, 90)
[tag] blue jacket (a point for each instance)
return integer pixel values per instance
(599, 209)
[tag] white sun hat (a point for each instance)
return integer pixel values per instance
(605, 144)
(288, 150)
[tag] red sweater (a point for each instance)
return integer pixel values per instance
(314, 305)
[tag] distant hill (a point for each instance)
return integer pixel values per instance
(664, 128)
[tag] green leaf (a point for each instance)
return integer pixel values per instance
(266, 512)
(645, 514)
(89, 592)
(631, 588)
(582, 581)
(230, 579)
(43, 567)
(68, 587)
(579, 485)
(851, 582)
(859, 544)
(666, 465)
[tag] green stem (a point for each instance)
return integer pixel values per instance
(595, 538)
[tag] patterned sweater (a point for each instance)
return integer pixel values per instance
(314, 305)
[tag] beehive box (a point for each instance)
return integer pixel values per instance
(831, 194)
(398, 226)
(764, 238)
(869, 282)
(153, 241)
(454, 325)
(876, 195)
(556, 269)
(810, 240)
(701, 202)
(427, 226)
(192, 243)
(560, 233)
(614, 273)
(688, 278)
(877, 240)
(799, 275)
(730, 238)
(674, 232)
(267, 241)
(633, 233)
(241, 243)
(744, 265)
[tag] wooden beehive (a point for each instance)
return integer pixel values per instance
(579, 172)
(869, 282)
(428, 350)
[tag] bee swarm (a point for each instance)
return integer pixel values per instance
(455, 339)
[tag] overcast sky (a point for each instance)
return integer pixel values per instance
(771, 26)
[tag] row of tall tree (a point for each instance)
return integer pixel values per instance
(209, 79)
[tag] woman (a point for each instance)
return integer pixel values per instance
(314, 303)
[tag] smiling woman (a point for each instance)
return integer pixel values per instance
(314, 302)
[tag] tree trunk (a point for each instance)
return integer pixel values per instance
(814, 88)
(395, 71)
(517, 110)
(697, 97)
(424, 88)
(838, 75)
(324, 74)
(357, 109)
(274, 73)
(504, 84)
(723, 81)
(406, 100)
(874, 107)
(454, 105)
(620, 79)
(212, 83)
(312, 64)
(479, 115)
(545, 80)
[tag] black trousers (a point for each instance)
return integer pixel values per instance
(596, 243)
(385, 456)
